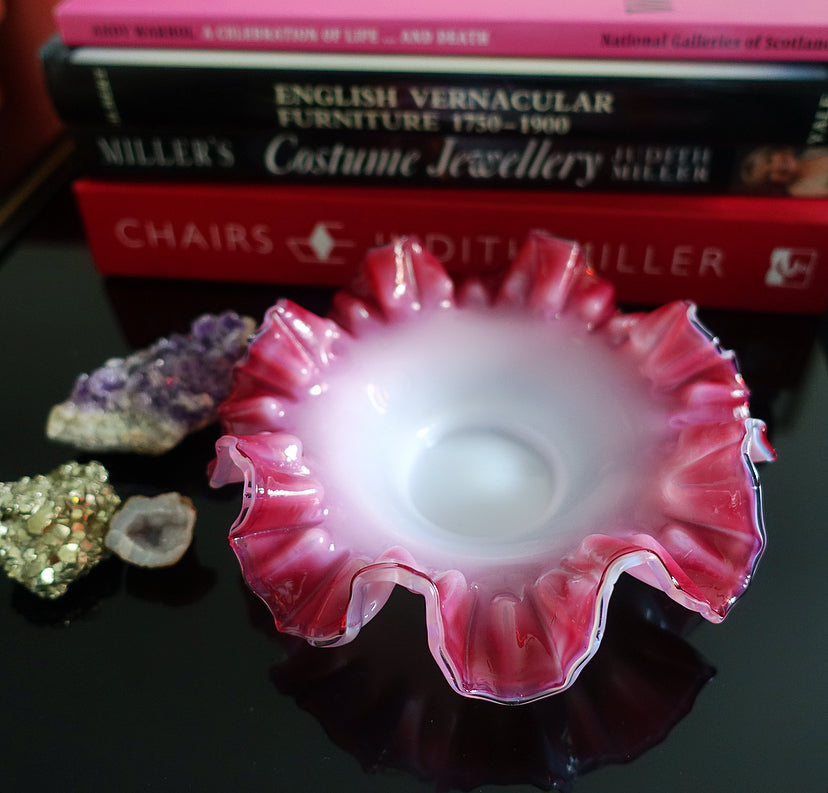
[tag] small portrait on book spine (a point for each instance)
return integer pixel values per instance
(785, 170)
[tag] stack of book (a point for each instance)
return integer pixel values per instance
(686, 149)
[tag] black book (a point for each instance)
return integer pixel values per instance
(627, 102)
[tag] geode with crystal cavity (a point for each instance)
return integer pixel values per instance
(151, 400)
(152, 532)
(52, 526)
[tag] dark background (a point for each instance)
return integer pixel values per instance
(174, 680)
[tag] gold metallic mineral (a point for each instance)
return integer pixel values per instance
(52, 526)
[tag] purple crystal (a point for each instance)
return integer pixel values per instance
(167, 390)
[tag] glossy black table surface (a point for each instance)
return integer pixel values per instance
(175, 679)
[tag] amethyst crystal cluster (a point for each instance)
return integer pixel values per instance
(152, 399)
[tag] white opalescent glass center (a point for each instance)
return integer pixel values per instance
(480, 435)
(482, 483)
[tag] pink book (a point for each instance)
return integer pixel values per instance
(673, 29)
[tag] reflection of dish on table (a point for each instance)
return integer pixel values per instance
(381, 699)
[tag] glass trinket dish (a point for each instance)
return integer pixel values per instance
(504, 449)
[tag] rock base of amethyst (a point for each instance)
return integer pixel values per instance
(98, 430)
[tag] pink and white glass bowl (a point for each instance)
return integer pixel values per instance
(506, 450)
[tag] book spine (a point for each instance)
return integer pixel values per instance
(789, 105)
(655, 37)
(729, 252)
(442, 161)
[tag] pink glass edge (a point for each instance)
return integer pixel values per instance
(393, 574)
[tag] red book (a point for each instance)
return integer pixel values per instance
(764, 254)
